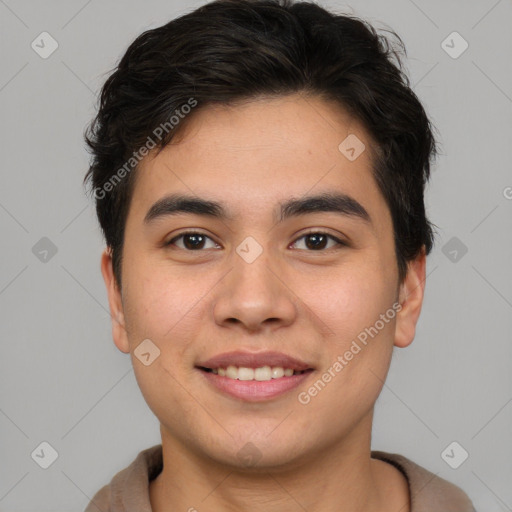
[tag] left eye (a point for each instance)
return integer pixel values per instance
(196, 241)
(318, 240)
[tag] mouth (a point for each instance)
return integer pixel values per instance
(261, 374)
(254, 377)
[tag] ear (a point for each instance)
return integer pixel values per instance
(115, 302)
(411, 299)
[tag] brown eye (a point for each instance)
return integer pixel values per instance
(318, 240)
(192, 241)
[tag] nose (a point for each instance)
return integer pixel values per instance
(254, 296)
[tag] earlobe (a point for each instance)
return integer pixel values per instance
(411, 299)
(119, 334)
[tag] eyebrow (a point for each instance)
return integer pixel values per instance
(339, 203)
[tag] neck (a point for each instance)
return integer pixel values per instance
(342, 478)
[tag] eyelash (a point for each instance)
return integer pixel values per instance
(337, 240)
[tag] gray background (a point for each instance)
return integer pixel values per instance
(62, 379)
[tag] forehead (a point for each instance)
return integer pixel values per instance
(255, 154)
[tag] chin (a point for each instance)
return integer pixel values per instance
(262, 452)
(250, 459)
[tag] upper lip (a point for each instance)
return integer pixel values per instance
(254, 360)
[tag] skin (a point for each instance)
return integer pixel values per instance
(306, 302)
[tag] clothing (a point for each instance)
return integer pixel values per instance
(128, 490)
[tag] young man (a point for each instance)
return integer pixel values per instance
(259, 170)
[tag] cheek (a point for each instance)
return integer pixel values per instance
(155, 302)
(359, 344)
(161, 310)
(167, 309)
(349, 302)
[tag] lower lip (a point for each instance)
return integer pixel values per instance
(254, 390)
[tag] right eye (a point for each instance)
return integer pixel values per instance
(192, 241)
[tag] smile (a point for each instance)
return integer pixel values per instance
(261, 374)
(254, 384)
(254, 376)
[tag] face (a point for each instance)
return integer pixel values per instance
(262, 286)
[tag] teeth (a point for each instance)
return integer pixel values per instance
(232, 372)
(263, 373)
(245, 373)
(277, 372)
